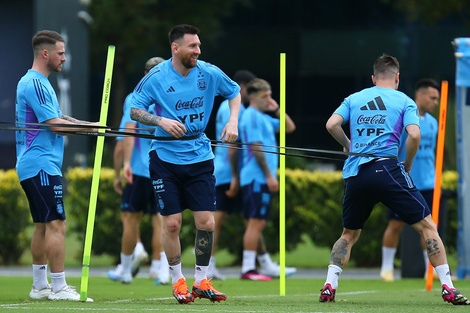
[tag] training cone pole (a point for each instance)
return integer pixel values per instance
(96, 174)
(282, 177)
(441, 134)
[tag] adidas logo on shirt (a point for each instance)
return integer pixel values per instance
(171, 89)
(371, 105)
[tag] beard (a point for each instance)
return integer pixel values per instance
(188, 62)
(54, 68)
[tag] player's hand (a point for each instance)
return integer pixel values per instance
(95, 130)
(230, 131)
(272, 106)
(173, 127)
(273, 184)
(117, 185)
(127, 173)
(234, 188)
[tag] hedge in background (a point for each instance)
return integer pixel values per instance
(313, 207)
(14, 218)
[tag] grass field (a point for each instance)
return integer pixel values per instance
(354, 295)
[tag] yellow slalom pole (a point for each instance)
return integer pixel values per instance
(441, 134)
(282, 178)
(96, 175)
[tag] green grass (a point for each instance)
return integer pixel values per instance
(300, 257)
(354, 295)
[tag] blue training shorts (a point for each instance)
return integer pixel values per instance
(44, 193)
(226, 204)
(383, 181)
(179, 187)
(139, 196)
(256, 201)
(428, 197)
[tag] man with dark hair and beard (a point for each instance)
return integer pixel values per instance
(181, 158)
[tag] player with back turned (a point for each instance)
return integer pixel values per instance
(377, 117)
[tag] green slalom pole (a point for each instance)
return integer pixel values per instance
(96, 175)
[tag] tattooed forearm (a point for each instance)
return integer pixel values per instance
(174, 260)
(260, 159)
(433, 247)
(339, 252)
(145, 117)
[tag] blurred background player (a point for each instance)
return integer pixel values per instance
(227, 163)
(422, 172)
(258, 176)
(138, 196)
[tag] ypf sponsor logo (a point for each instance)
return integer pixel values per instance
(158, 185)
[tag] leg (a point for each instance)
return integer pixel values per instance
(339, 257)
(171, 243)
(158, 254)
(438, 258)
(157, 236)
(205, 224)
(251, 239)
(390, 240)
(39, 258)
(55, 250)
(38, 240)
(202, 287)
(55, 245)
(213, 272)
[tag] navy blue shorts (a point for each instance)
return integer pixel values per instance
(256, 201)
(44, 193)
(179, 187)
(139, 196)
(226, 204)
(383, 181)
(427, 195)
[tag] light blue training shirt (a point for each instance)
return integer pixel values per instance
(36, 102)
(140, 153)
(377, 116)
(423, 169)
(258, 127)
(222, 169)
(187, 99)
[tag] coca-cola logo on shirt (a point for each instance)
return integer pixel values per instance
(191, 104)
(376, 119)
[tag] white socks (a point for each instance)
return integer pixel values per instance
(58, 281)
(443, 272)
(249, 261)
(126, 261)
(388, 255)
(332, 276)
(40, 276)
(176, 273)
(200, 273)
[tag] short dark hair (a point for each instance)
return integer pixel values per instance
(243, 77)
(426, 83)
(46, 37)
(386, 66)
(179, 31)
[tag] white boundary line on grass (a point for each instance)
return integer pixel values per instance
(185, 308)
